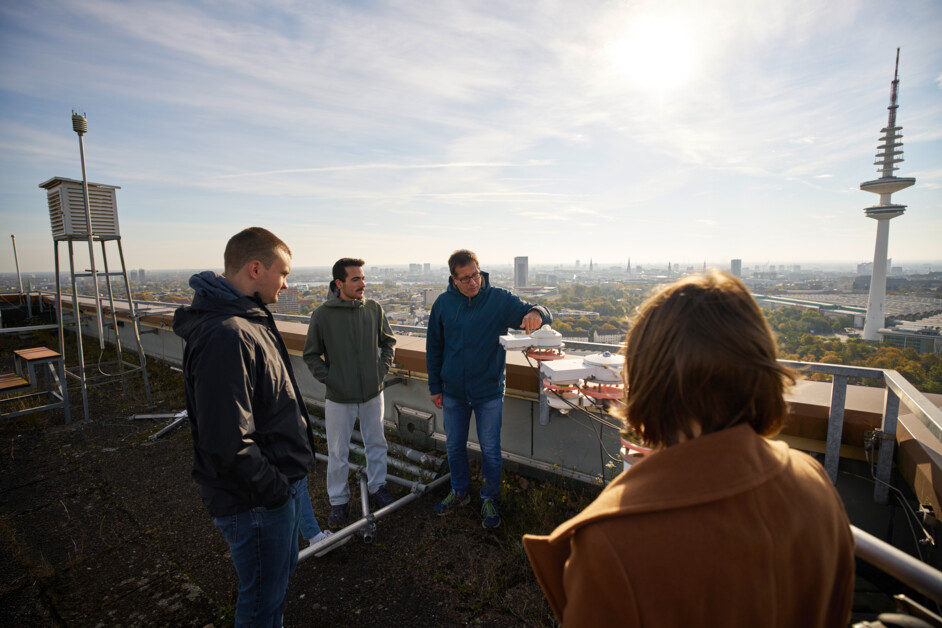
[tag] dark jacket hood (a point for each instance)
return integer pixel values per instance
(214, 296)
(210, 284)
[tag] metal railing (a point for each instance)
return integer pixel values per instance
(908, 570)
(898, 564)
(898, 390)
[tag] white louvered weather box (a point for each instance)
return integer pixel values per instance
(67, 209)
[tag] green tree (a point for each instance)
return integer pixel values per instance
(562, 326)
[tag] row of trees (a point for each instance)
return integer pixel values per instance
(613, 301)
(807, 336)
(802, 335)
(584, 327)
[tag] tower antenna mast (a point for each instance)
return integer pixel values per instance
(890, 153)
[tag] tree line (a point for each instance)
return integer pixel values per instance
(802, 335)
(808, 336)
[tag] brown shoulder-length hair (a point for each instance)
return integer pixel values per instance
(701, 354)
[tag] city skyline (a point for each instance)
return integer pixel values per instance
(835, 268)
(681, 131)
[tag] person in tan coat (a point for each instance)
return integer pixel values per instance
(720, 525)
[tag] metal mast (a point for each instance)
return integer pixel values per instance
(80, 126)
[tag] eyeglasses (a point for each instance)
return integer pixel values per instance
(476, 278)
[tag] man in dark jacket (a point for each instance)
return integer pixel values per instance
(349, 348)
(466, 373)
(252, 442)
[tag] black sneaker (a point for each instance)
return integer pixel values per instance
(381, 498)
(489, 514)
(338, 516)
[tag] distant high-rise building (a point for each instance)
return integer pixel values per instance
(288, 303)
(429, 295)
(629, 265)
(890, 154)
(415, 269)
(866, 268)
(140, 275)
(591, 266)
(735, 267)
(426, 268)
(521, 271)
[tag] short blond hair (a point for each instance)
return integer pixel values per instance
(701, 353)
(254, 243)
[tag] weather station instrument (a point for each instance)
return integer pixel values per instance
(81, 211)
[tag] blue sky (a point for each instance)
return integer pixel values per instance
(400, 131)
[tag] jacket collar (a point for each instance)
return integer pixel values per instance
(334, 300)
(485, 285)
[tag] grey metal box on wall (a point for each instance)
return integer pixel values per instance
(415, 426)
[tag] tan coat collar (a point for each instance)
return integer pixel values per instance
(705, 469)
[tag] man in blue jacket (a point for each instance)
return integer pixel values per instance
(466, 373)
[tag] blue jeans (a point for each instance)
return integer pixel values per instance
(264, 548)
(307, 521)
(488, 417)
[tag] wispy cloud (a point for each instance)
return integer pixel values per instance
(519, 115)
(545, 216)
(354, 167)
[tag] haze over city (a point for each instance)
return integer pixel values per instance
(400, 131)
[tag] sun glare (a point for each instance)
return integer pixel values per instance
(656, 52)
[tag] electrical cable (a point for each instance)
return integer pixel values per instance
(907, 509)
(101, 354)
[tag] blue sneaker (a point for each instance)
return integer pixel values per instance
(451, 503)
(490, 514)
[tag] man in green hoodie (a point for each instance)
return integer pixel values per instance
(349, 349)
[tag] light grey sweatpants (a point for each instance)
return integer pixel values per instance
(339, 419)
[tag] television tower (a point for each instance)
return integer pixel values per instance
(890, 153)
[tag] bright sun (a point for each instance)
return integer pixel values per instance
(657, 52)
